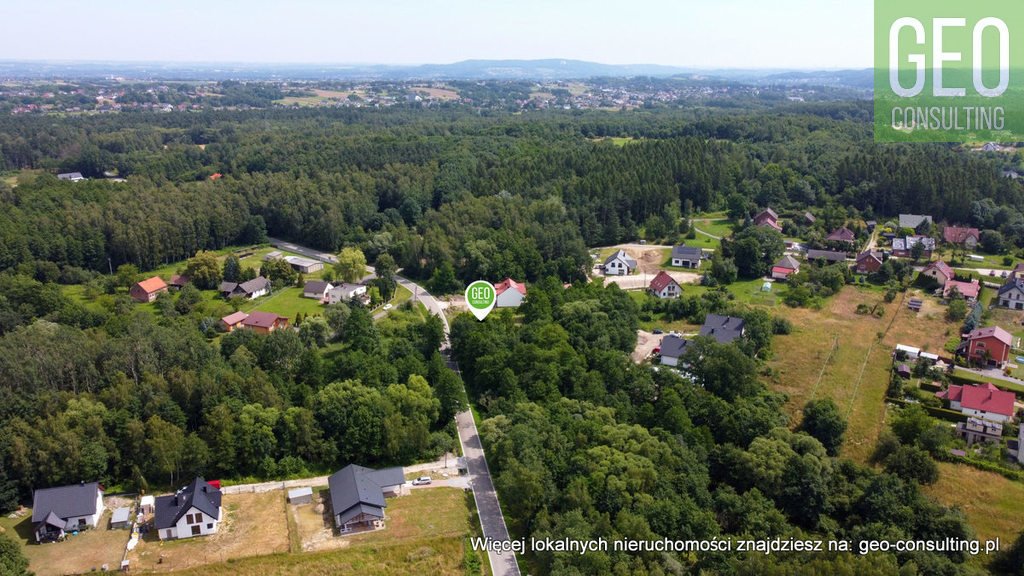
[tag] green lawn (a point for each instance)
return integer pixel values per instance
(287, 302)
(721, 228)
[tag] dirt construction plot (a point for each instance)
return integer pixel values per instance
(641, 281)
(86, 552)
(253, 525)
(645, 345)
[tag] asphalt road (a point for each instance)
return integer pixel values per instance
(492, 522)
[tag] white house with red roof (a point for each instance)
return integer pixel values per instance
(665, 286)
(785, 267)
(509, 294)
(980, 401)
(987, 346)
(938, 270)
(966, 237)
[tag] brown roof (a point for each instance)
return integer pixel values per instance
(262, 319)
(179, 280)
(235, 318)
(661, 281)
(941, 267)
(958, 235)
(843, 234)
(154, 284)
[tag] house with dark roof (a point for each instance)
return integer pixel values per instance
(724, 329)
(961, 236)
(316, 289)
(916, 222)
(71, 176)
(868, 262)
(509, 294)
(264, 322)
(829, 256)
(843, 235)
(347, 292)
(672, 349)
(178, 281)
(148, 289)
(250, 289)
(769, 218)
(987, 346)
(684, 256)
(194, 510)
(983, 401)
(358, 496)
(664, 286)
(619, 264)
(57, 511)
(1011, 293)
(785, 267)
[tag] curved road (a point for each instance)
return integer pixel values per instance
(492, 522)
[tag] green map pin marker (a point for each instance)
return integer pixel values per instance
(480, 298)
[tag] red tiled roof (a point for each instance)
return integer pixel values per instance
(782, 270)
(987, 398)
(661, 281)
(216, 176)
(262, 319)
(941, 267)
(992, 331)
(966, 289)
(509, 283)
(869, 255)
(235, 318)
(154, 284)
(957, 234)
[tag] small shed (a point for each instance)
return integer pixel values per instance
(462, 465)
(147, 504)
(300, 495)
(903, 370)
(121, 519)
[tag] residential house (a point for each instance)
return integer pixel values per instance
(809, 218)
(686, 256)
(148, 289)
(1011, 293)
(264, 322)
(300, 495)
(619, 264)
(969, 290)
(960, 236)
(842, 235)
(976, 430)
(903, 247)
(665, 286)
(56, 511)
(868, 262)
(194, 510)
(829, 256)
(769, 218)
(919, 223)
(987, 346)
(983, 401)
(178, 281)
(71, 176)
(250, 289)
(357, 496)
(316, 289)
(304, 265)
(724, 329)
(509, 294)
(347, 292)
(786, 266)
(939, 271)
(233, 321)
(672, 349)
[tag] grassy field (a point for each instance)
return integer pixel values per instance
(714, 226)
(287, 302)
(253, 525)
(88, 551)
(993, 505)
(836, 353)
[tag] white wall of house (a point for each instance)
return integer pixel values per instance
(510, 298)
(670, 361)
(616, 268)
(91, 520)
(670, 291)
(318, 295)
(339, 295)
(1012, 298)
(184, 528)
(258, 293)
(679, 262)
(937, 275)
(990, 416)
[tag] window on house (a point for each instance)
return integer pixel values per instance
(195, 530)
(209, 526)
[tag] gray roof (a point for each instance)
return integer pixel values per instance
(687, 252)
(356, 487)
(629, 260)
(724, 329)
(1012, 283)
(65, 501)
(909, 242)
(71, 176)
(299, 492)
(198, 494)
(249, 287)
(120, 515)
(673, 346)
(829, 255)
(913, 220)
(788, 261)
(355, 511)
(318, 286)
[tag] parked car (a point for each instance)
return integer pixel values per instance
(421, 481)
(388, 306)
(991, 272)
(1005, 274)
(657, 331)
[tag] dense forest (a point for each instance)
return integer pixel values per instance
(583, 442)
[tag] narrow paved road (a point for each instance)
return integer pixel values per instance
(492, 522)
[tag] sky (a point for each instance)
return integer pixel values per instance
(690, 33)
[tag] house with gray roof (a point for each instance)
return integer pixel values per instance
(829, 256)
(686, 256)
(317, 289)
(357, 496)
(194, 510)
(619, 264)
(673, 348)
(724, 329)
(57, 511)
(71, 176)
(918, 222)
(250, 289)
